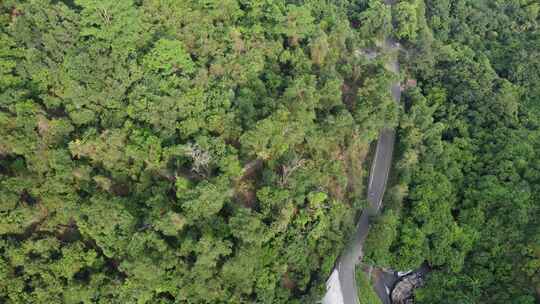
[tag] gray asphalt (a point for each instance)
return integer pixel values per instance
(378, 178)
(376, 187)
(377, 184)
(383, 284)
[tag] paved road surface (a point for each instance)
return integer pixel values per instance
(383, 285)
(387, 280)
(377, 184)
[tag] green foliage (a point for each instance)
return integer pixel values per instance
(113, 23)
(405, 14)
(129, 130)
(467, 172)
(168, 57)
(381, 236)
(376, 20)
(163, 151)
(366, 292)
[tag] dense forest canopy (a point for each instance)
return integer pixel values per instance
(163, 151)
(166, 151)
(465, 196)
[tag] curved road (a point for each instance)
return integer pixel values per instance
(352, 256)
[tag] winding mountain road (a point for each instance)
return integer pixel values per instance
(380, 169)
